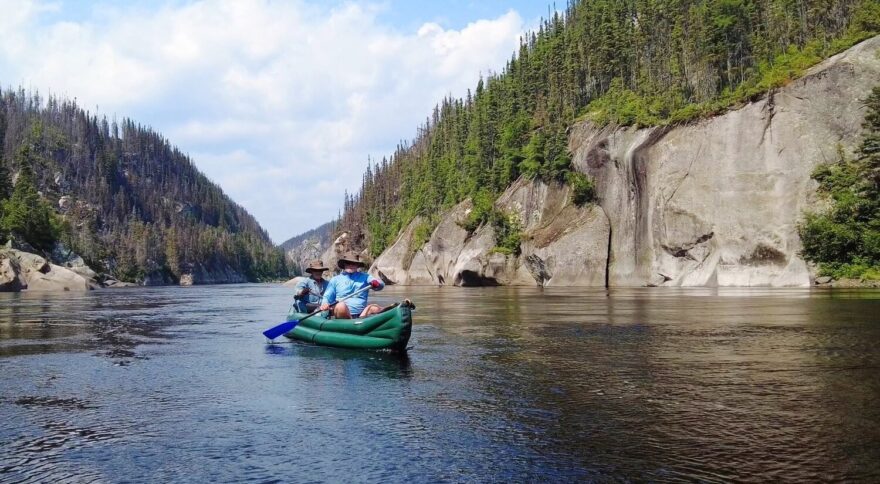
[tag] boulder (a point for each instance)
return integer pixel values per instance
(31, 263)
(9, 270)
(113, 283)
(58, 278)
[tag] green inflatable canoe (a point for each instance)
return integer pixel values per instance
(389, 329)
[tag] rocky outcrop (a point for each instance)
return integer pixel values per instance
(716, 203)
(712, 203)
(25, 271)
(562, 245)
(65, 257)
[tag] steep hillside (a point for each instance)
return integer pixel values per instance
(307, 246)
(126, 200)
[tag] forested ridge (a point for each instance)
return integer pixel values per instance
(631, 62)
(119, 195)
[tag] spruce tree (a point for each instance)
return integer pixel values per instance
(5, 184)
(25, 215)
(870, 147)
(4, 194)
(845, 239)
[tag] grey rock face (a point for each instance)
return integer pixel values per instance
(9, 270)
(712, 203)
(718, 202)
(563, 245)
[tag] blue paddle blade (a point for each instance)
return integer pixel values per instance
(282, 328)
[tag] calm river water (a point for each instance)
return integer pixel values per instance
(500, 384)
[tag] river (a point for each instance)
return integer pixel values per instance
(499, 384)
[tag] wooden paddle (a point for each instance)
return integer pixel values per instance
(286, 326)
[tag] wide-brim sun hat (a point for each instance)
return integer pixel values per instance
(317, 265)
(352, 257)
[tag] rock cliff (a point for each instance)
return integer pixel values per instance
(712, 203)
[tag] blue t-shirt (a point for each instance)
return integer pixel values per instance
(344, 284)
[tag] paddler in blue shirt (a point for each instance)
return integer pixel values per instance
(308, 291)
(348, 282)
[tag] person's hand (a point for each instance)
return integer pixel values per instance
(304, 291)
(375, 284)
(325, 307)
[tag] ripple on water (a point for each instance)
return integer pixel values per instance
(503, 384)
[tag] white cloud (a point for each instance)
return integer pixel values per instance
(278, 102)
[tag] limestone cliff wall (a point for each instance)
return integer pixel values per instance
(712, 203)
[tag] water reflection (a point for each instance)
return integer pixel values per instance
(387, 363)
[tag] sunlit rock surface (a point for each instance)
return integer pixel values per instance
(713, 203)
(718, 202)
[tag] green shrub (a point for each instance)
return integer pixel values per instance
(582, 189)
(508, 233)
(480, 212)
(844, 240)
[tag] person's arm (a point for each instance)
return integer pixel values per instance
(301, 289)
(375, 283)
(329, 295)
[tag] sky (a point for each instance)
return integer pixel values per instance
(281, 103)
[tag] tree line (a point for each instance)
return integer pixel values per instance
(119, 195)
(628, 62)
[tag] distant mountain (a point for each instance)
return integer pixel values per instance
(307, 246)
(126, 200)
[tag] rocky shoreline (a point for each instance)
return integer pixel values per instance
(21, 270)
(24, 271)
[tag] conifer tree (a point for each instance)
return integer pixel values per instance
(25, 215)
(4, 194)
(5, 184)
(870, 147)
